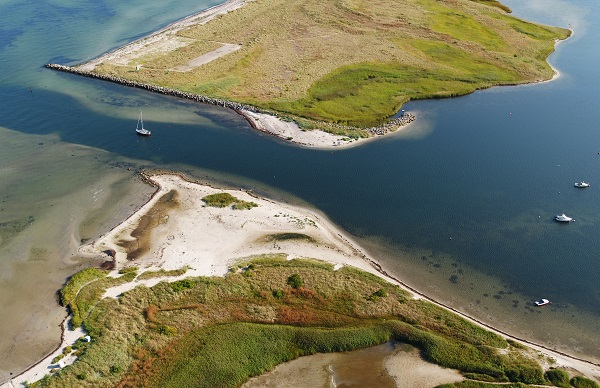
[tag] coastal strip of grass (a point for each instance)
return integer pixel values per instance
(90, 294)
(162, 273)
(77, 281)
(220, 331)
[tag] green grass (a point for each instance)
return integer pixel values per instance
(219, 200)
(494, 3)
(162, 273)
(77, 281)
(244, 205)
(558, 378)
(90, 294)
(354, 95)
(225, 200)
(232, 353)
(220, 331)
(583, 382)
(462, 26)
(479, 384)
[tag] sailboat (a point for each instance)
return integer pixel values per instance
(139, 128)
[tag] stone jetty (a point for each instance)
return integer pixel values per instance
(382, 129)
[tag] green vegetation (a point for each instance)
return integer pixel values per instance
(226, 199)
(77, 281)
(221, 331)
(289, 236)
(479, 384)
(89, 285)
(162, 273)
(558, 378)
(295, 281)
(583, 382)
(244, 205)
(219, 200)
(301, 59)
(128, 270)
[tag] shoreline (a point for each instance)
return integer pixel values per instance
(259, 119)
(168, 247)
(263, 120)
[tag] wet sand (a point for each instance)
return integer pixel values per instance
(44, 215)
(388, 365)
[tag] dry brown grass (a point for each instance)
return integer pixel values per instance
(288, 45)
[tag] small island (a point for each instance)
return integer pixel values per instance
(324, 73)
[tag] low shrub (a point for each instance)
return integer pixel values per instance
(181, 285)
(583, 382)
(295, 281)
(558, 378)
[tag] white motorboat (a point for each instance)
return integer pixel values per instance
(563, 218)
(582, 184)
(541, 302)
(139, 128)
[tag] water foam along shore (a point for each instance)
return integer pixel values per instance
(166, 39)
(209, 240)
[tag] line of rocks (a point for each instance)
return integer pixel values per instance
(154, 88)
(390, 126)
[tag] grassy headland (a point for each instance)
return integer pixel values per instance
(351, 62)
(220, 331)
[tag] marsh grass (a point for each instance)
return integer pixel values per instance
(225, 200)
(162, 273)
(77, 281)
(347, 63)
(220, 331)
(90, 294)
(583, 382)
(288, 237)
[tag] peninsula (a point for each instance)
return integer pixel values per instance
(324, 73)
(216, 286)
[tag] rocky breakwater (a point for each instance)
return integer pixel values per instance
(153, 88)
(379, 130)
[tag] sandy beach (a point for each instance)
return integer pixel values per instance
(208, 240)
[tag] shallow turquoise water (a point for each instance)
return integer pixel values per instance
(460, 206)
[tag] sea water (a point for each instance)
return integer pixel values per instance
(459, 205)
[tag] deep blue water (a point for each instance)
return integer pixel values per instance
(477, 185)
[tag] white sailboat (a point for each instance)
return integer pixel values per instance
(582, 184)
(139, 128)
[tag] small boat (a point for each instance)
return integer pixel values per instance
(582, 184)
(139, 128)
(541, 302)
(563, 218)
